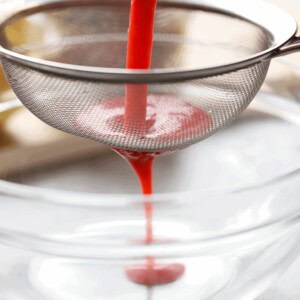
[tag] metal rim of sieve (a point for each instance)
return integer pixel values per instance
(265, 16)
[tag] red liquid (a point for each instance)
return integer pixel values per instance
(153, 118)
(140, 42)
(139, 51)
(151, 273)
(168, 120)
(155, 275)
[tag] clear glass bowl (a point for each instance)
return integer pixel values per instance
(227, 209)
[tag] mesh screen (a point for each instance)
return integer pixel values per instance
(178, 114)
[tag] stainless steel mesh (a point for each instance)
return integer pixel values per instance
(178, 113)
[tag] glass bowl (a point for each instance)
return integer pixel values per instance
(226, 210)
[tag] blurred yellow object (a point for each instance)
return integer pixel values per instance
(4, 86)
(5, 115)
(7, 108)
(22, 32)
(16, 36)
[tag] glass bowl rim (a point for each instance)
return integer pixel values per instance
(72, 200)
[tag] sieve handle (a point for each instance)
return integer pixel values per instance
(293, 46)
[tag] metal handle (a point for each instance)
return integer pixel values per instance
(293, 46)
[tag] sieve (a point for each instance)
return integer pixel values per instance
(209, 60)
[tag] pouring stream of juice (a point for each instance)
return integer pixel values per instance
(139, 52)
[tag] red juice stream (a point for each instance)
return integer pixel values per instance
(139, 51)
(151, 273)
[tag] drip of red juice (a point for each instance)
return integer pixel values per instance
(150, 273)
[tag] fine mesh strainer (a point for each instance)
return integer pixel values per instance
(209, 60)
